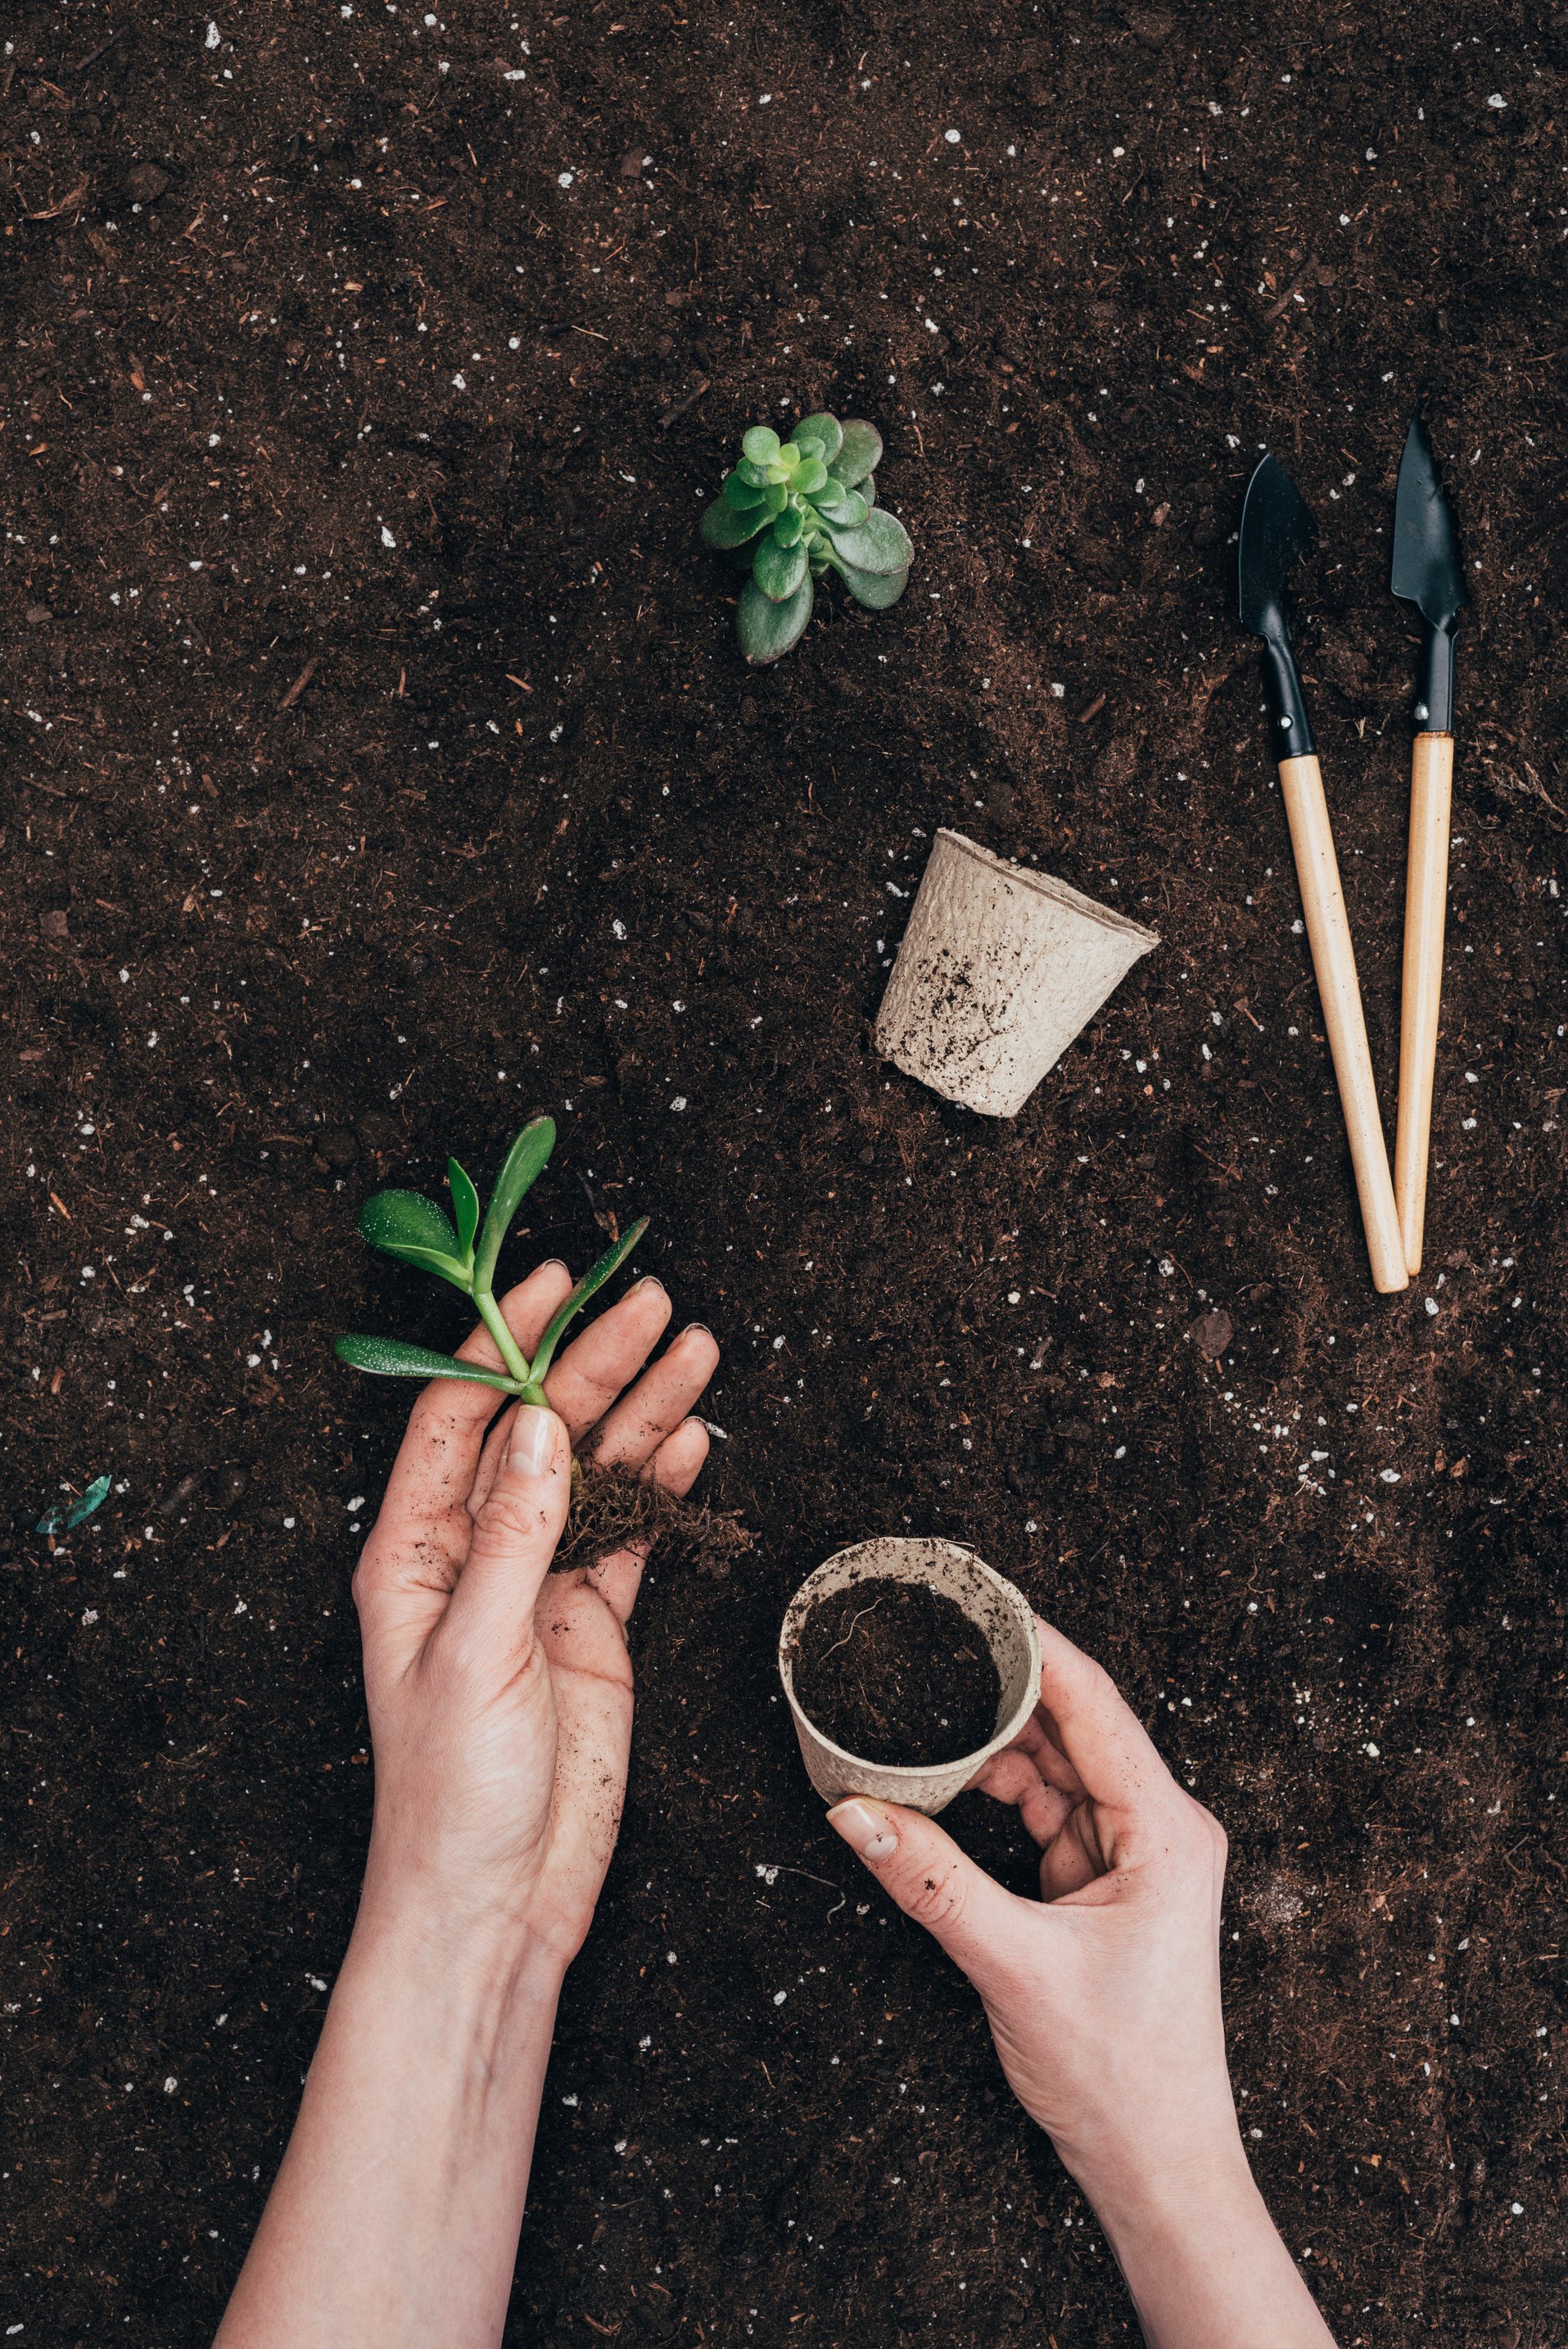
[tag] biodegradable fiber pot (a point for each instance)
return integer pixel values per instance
(998, 1609)
(998, 969)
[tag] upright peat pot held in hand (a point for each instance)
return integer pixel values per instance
(909, 1664)
(793, 510)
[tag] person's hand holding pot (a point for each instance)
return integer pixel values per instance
(1104, 2001)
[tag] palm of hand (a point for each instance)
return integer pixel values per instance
(501, 1696)
(1111, 1979)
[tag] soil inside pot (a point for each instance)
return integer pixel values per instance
(896, 1672)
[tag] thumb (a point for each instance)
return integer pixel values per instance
(515, 1531)
(918, 1865)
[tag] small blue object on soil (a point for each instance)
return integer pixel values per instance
(55, 1521)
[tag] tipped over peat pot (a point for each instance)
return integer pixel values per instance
(999, 970)
(996, 1609)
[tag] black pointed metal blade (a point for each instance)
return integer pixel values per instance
(1428, 569)
(1276, 531)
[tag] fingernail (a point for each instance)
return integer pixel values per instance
(698, 1329)
(651, 1281)
(866, 1831)
(533, 1444)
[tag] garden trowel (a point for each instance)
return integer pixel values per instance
(1276, 531)
(1428, 573)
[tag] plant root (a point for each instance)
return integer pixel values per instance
(612, 1508)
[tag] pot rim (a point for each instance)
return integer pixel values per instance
(1006, 1733)
(1047, 885)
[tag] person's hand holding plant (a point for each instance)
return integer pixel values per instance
(499, 1699)
(1104, 2001)
(500, 1695)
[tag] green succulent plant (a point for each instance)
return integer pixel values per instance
(408, 1226)
(794, 509)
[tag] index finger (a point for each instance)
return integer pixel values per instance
(1099, 1733)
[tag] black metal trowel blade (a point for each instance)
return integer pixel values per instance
(1429, 572)
(1428, 569)
(1276, 531)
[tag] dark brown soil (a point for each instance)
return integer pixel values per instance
(379, 767)
(893, 1672)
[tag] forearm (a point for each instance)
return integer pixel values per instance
(1204, 2263)
(395, 2214)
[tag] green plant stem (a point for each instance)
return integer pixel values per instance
(510, 1352)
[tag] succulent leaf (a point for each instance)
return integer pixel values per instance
(826, 431)
(859, 453)
(875, 589)
(411, 1227)
(881, 544)
(788, 527)
(761, 443)
(520, 1170)
(592, 1281)
(464, 1204)
(810, 475)
(740, 494)
(725, 525)
(778, 570)
(389, 1358)
(854, 510)
(768, 630)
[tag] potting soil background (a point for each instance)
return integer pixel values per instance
(380, 770)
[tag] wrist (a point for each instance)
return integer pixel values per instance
(1203, 2262)
(492, 1951)
(1154, 2189)
(1144, 2144)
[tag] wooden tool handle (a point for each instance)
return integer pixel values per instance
(1426, 909)
(1334, 960)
